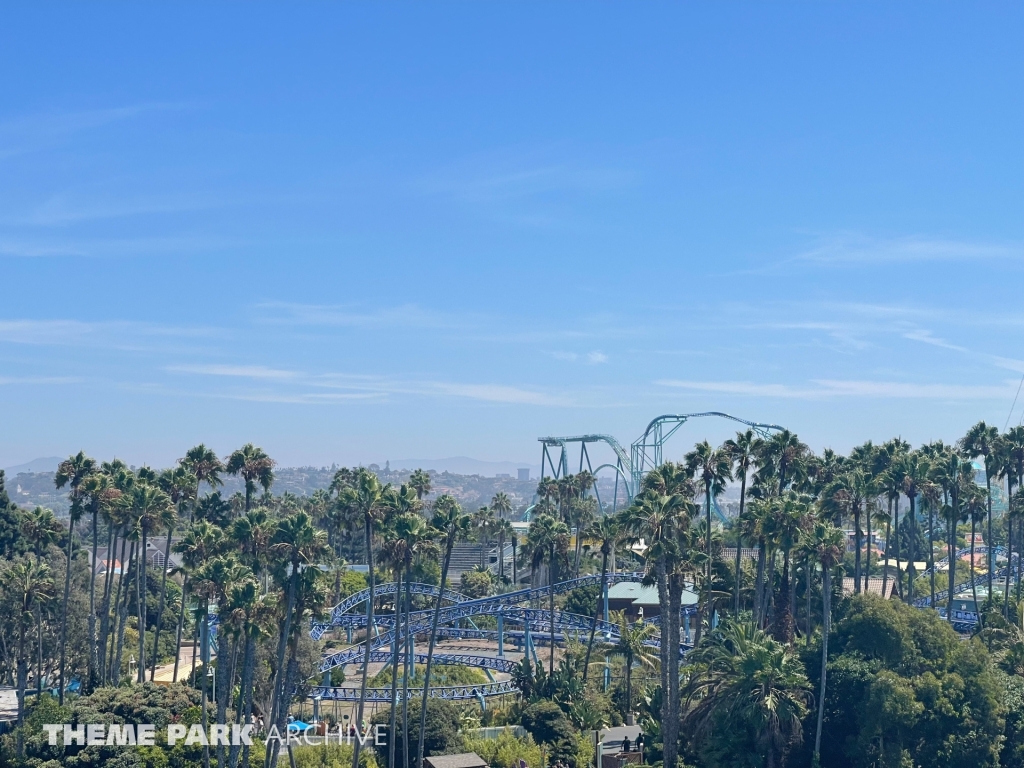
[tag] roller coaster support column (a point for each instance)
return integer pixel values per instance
(501, 636)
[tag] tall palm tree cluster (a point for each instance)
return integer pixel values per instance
(878, 513)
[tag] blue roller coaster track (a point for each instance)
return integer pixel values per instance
(508, 608)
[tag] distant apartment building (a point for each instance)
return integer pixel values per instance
(524, 474)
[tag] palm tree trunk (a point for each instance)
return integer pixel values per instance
(64, 615)
(597, 610)
(430, 652)
(856, 549)
(160, 610)
(974, 586)
(224, 672)
(108, 582)
(394, 671)
(410, 641)
(142, 594)
(707, 599)
(759, 587)
(661, 571)
(767, 608)
(181, 625)
(739, 546)
(896, 542)
(93, 655)
(826, 617)
(116, 611)
(988, 537)
(515, 573)
(204, 698)
(808, 564)
(276, 715)
(888, 548)
(670, 727)
(552, 578)
(1009, 565)
(245, 711)
(867, 552)
(368, 533)
(910, 522)
(501, 556)
(123, 616)
(931, 551)
(783, 622)
(951, 559)
(39, 657)
(22, 685)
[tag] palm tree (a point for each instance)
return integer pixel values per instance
(201, 541)
(711, 468)
(741, 452)
(297, 543)
(154, 508)
(548, 540)
(632, 647)
(452, 526)
(607, 531)
(974, 506)
(254, 467)
(399, 538)
(260, 619)
(787, 519)
(912, 469)
(419, 481)
(953, 475)
(981, 440)
(181, 486)
(98, 493)
(746, 680)
(366, 501)
(71, 472)
(41, 529)
(27, 582)
(828, 544)
(204, 465)
(502, 506)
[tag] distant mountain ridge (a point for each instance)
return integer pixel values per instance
(48, 464)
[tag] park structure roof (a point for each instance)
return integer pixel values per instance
(643, 596)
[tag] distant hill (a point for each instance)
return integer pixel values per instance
(463, 465)
(48, 464)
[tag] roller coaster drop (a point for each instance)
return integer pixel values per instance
(645, 453)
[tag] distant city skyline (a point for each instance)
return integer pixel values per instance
(351, 232)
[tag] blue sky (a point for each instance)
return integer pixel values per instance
(356, 232)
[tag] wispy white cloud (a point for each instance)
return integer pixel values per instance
(236, 371)
(356, 386)
(595, 357)
(926, 337)
(119, 334)
(852, 248)
(402, 316)
(38, 246)
(826, 388)
(39, 380)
